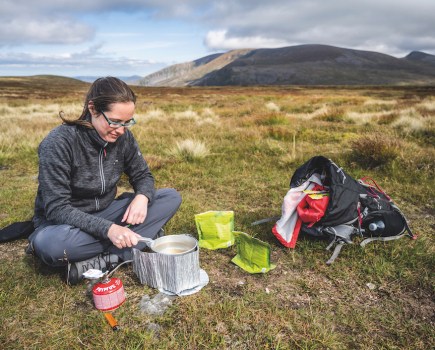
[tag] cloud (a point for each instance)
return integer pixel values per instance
(63, 21)
(397, 26)
(89, 60)
(218, 40)
(43, 31)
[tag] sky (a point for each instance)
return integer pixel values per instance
(139, 37)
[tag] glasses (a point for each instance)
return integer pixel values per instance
(116, 125)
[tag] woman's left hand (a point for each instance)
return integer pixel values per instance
(136, 212)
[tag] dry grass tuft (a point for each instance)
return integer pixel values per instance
(154, 114)
(324, 113)
(377, 102)
(409, 120)
(370, 151)
(388, 118)
(316, 113)
(187, 114)
(366, 118)
(190, 150)
(206, 116)
(331, 114)
(409, 124)
(427, 104)
(272, 106)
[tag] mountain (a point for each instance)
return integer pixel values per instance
(184, 73)
(298, 65)
(130, 80)
(418, 56)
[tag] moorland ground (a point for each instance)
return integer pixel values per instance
(236, 149)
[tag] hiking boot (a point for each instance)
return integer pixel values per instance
(104, 262)
(161, 233)
(29, 249)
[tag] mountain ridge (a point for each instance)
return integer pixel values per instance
(310, 64)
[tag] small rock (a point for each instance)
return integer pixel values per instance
(157, 305)
(267, 291)
(370, 286)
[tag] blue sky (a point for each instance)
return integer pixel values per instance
(138, 37)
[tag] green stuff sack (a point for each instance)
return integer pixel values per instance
(253, 255)
(215, 229)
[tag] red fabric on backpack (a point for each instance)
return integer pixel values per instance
(295, 236)
(311, 210)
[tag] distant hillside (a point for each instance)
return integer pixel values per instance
(184, 73)
(40, 87)
(299, 65)
(130, 80)
(41, 79)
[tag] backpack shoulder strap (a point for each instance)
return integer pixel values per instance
(384, 239)
(342, 234)
(336, 252)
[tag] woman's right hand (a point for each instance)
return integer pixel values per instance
(122, 237)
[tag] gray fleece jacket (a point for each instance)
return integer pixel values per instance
(78, 175)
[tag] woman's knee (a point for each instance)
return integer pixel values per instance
(48, 248)
(171, 197)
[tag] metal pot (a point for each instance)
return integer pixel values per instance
(172, 244)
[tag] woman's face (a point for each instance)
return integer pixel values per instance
(120, 112)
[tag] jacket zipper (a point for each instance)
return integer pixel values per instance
(101, 155)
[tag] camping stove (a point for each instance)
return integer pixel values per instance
(108, 294)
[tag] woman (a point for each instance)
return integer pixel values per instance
(78, 222)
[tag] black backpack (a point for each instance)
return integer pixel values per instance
(381, 218)
(356, 207)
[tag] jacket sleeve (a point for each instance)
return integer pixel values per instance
(55, 164)
(137, 169)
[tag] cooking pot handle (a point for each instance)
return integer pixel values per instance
(146, 240)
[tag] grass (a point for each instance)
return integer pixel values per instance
(254, 139)
(190, 150)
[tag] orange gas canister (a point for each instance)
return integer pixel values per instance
(108, 294)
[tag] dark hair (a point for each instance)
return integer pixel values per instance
(103, 92)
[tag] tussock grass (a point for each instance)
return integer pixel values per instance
(371, 102)
(409, 124)
(320, 112)
(272, 106)
(205, 116)
(367, 118)
(428, 104)
(331, 114)
(154, 114)
(190, 150)
(373, 150)
(235, 153)
(409, 120)
(187, 114)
